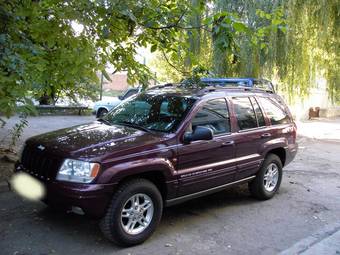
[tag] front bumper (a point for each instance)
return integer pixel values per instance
(93, 199)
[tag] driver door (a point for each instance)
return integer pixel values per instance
(206, 164)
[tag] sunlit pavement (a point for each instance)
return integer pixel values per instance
(229, 222)
(322, 129)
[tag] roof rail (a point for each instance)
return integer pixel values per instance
(166, 85)
(206, 87)
(261, 84)
(214, 87)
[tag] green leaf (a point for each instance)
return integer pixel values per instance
(276, 22)
(153, 48)
(240, 27)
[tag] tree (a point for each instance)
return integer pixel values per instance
(295, 42)
(42, 55)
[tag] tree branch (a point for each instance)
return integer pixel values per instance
(173, 66)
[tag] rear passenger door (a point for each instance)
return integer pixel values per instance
(206, 164)
(252, 133)
(281, 125)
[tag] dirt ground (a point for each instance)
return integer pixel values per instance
(228, 222)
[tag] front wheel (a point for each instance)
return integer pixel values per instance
(101, 112)
(268, 179)
(134, 213)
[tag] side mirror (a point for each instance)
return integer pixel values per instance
(200, 133)
(120, 97)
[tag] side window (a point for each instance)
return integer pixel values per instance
(275, 113)
(258, 112)
(129, 93)
(244, 113)
(213, 115)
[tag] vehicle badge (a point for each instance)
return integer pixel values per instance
(40, 147)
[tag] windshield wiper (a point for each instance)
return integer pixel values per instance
(104, 121)
(134, 125)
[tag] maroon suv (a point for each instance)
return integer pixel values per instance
(162, 147)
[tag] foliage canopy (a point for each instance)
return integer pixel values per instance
(42, 54)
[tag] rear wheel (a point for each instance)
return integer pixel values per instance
(101, 112)
(134, 213)
(268, 179)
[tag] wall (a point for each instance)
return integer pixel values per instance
(118, 82)
(318, 98)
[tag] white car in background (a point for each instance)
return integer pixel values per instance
(102, 107)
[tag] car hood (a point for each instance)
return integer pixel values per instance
(93, 140)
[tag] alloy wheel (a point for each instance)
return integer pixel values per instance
(271, 177)
(137, 214)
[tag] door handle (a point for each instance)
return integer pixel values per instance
(266, 135)
(227, 143)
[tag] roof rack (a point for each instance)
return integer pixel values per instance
(206, 86)
(214, 87)
(166, 85)
(251, 83)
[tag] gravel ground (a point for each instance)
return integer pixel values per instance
(228, 222)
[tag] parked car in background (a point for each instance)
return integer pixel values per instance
(102, 107)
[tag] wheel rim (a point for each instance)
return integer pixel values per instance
(137, 214)
(102, 113)
(271, 177)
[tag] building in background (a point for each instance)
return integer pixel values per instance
(118, 82)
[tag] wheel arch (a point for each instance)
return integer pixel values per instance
(157, 177)
(280, 152)
(101, 108)
(160, 171)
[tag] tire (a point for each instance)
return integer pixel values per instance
(101, 112)
(260, 187)
(114, 225)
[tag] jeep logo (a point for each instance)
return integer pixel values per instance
(40, 147)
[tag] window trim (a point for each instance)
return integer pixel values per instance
(262, 112)
(281, 107)
(201, 105)
(248, 129)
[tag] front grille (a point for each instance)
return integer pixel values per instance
(40, 164)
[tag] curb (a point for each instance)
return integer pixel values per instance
(4, 186)
(306, 243)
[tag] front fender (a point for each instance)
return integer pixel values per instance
(118, 172)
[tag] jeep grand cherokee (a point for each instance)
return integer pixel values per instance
(162, 147)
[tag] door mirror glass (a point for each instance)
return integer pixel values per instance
(200, 133)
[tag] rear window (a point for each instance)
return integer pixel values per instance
(274, 111)
(245, 113)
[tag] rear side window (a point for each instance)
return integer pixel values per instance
(275, 113)
(245, 113)
(214, 115)
(258, 112)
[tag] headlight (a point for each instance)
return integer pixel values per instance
(77, 171)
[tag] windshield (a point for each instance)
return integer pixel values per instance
(151, 112)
